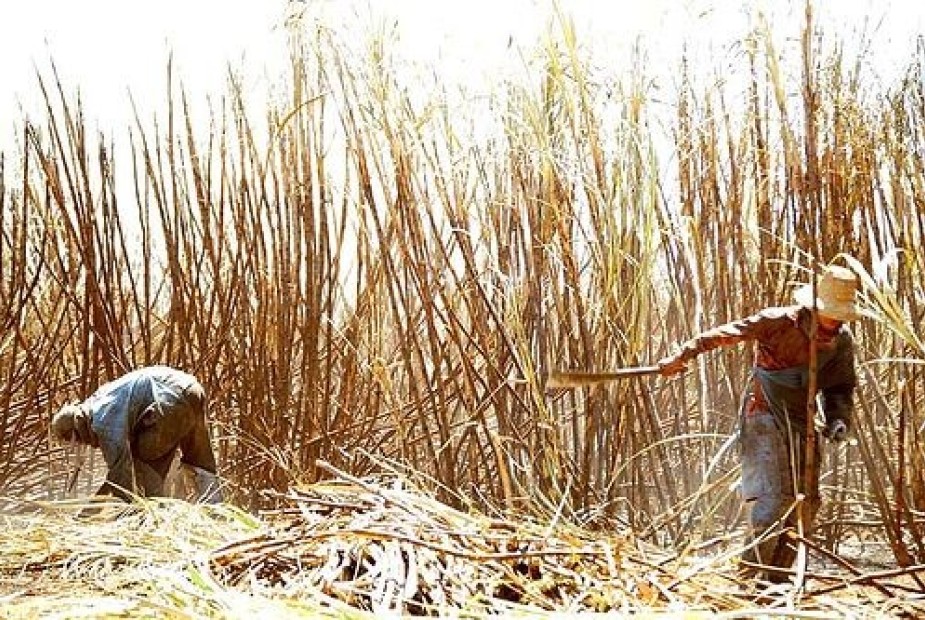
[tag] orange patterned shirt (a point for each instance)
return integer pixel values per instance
(780, 381)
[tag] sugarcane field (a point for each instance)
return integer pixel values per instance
(527, 309)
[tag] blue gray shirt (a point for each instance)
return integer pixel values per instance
(118, 408)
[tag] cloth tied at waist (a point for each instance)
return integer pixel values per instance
(784, 392)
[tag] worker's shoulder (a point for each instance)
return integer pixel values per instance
(158, 369)
(164, 372)
(156, 372)
(778, 313)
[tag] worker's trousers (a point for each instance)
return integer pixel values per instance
(772, 456)
(175, 420)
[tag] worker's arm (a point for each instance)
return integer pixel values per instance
(725, 335)
(120, 481)
(198, 456)
(112, 426)
(837, 397)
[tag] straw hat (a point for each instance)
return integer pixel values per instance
(836, 294)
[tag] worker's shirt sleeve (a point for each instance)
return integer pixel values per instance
(838, 378)
(114, 414)
(741, 330)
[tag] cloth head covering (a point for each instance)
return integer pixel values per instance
(72, 423)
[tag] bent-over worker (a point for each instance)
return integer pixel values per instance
(773, 429)
(139, 421)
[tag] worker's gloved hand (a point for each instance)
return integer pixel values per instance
(836, 430)
(671, 365)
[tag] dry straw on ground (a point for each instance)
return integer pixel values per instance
(378, 265)
(374, 547)
(373, 279)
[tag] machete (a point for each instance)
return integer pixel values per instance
(567, 379)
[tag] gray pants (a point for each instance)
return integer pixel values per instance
(167, 425)
(772, 475)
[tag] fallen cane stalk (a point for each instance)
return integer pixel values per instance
(840, 561)
(871, 579)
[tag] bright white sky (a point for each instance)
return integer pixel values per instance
(106, 47)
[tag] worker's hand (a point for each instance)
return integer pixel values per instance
(836, 430)
(671, 365)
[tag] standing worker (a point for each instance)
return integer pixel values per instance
(139, 421)
(773, 428)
